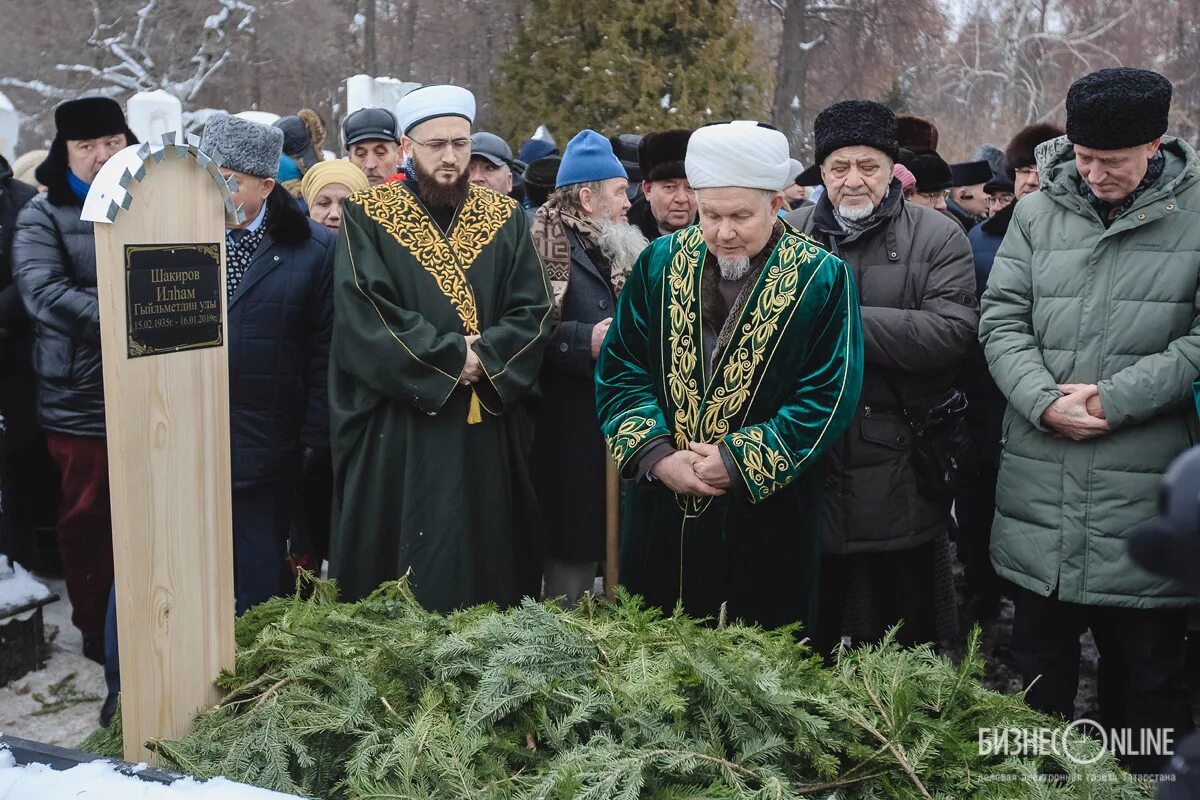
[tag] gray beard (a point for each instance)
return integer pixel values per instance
(620, 244)
(855, 213)
(733, 269)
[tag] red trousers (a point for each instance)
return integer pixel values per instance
(84, 528)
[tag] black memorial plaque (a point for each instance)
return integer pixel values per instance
(173, 297)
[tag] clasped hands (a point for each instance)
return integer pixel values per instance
(1078, 414)
(472, 370)
(698, 471)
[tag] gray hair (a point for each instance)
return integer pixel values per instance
(568, 197)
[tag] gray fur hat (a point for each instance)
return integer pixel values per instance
(242, 146)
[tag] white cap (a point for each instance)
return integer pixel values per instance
(431, 102)
(741, 153)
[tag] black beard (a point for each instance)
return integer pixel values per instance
(444, 195)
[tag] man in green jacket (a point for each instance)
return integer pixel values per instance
(1090, 326)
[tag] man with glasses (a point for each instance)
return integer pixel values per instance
(442, 314)
(882, 527)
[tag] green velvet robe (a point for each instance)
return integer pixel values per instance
(779, 394)
(416, 486)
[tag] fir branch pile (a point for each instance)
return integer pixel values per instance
(383, 699)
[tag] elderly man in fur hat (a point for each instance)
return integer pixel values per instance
(278, 273)
(733, 363)
(1091, 327)
(668, 202)
(887, 500)
(54, 268)
(587, 248)
(443, 314)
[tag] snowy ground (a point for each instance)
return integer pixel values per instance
(68, 727)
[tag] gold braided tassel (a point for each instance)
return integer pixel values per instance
(475, 414)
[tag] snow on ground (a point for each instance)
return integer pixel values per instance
(99, 780)
(18, 588)
(68, 727)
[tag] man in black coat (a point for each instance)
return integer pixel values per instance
(18, 386)
(54, 268)
(278, 281)
(587, 247)
(668, 203)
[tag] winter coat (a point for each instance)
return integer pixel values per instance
(1071, 302)
(18, 385)
(569, 455)
(919, 318)
(985, 403)
(54, 267)
(280, 322)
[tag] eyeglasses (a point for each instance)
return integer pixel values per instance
(1026, 171)
(438, 145)
(933, 197)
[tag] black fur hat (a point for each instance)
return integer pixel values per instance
(1019, 152)
(931, 170)
(661, 155)
(85, 118)
(1112, 109)
(856, 122)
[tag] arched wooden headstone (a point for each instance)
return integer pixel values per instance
(160, 211)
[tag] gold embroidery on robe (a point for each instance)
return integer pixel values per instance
(683, 390)
(395, 209)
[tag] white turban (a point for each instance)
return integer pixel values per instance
(430, 102)
(737, 154)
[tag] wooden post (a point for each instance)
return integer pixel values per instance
(612, 555)
(161, 283)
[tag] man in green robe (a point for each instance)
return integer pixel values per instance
(442, 311)
(733, 362)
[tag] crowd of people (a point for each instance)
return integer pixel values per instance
(817, 385)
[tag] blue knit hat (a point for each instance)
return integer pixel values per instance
(589, 157)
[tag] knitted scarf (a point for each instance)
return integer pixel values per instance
(551, 243)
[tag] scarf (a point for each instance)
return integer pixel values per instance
(1108, 212)
(78, 186)
(857, 227)
(549, 233)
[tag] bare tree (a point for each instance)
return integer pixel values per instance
(138, 51)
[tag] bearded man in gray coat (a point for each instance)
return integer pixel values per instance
(884, 524)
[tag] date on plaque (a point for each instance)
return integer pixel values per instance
(173, 297)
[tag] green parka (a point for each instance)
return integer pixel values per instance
(1071, 302)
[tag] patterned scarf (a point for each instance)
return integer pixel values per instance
(1108, 212)
(239, 257)
(551, 243)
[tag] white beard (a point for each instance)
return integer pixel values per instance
(620, 244)
(855, 213)
(733, 269)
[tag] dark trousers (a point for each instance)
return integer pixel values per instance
(975, 508)
(262, 516)
(1142, 655)
(84, 529)
(862, 595)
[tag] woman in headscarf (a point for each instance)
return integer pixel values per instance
(326, 185)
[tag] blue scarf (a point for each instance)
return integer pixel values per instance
(78, 186)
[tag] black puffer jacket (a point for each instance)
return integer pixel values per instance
(920, 315)
(54, 268)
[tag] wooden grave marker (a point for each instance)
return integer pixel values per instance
(160, 212)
